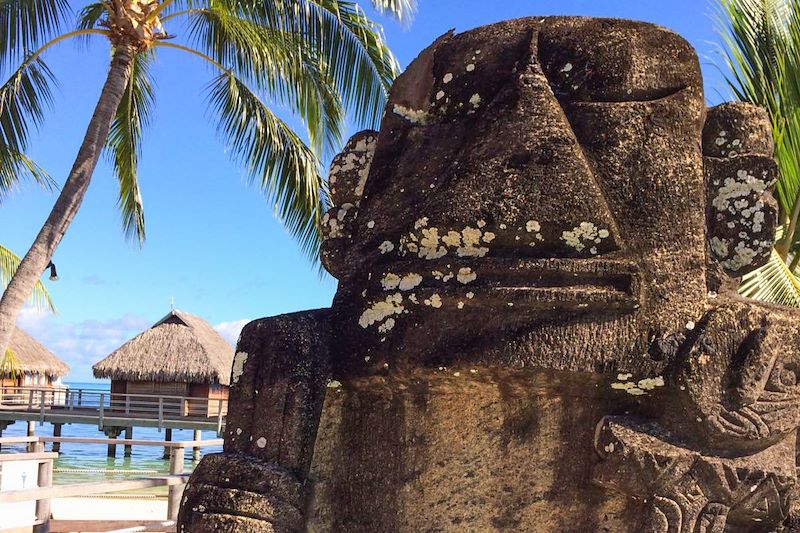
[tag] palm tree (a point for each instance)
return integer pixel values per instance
(316, 57)
(762, 53)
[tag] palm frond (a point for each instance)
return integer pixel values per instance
(350, 47)
(276, 159)
(9, 364)
(773, 282)
(403, 10)
(27, 24)
(91, 14)
(23, 99)
(123, 144)
(16, 167)
(9, 262)
(280, 63)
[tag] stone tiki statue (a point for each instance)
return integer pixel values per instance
(536, 326)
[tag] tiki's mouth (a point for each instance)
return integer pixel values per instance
(542, 284)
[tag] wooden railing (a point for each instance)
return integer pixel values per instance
(103, 403)
(46, 491)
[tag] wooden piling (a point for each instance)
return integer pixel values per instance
(175, 491)
(128, 447)
(198, 435)
(168, 438)
(43, 505)
(57, 433)
(31, 432)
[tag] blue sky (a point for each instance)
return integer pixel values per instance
(213, 244)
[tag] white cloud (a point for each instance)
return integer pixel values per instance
(230, 330)
(80, 344)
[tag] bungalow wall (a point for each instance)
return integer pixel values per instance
(142, 392)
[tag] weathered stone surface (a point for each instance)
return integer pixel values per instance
(535, 327)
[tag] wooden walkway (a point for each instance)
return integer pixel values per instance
(106, 410)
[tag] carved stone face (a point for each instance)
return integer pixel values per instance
(525, 185)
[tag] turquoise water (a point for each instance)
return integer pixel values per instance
(88, 462)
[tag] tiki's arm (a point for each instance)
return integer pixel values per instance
(260, 481)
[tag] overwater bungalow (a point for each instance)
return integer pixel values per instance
(36, 366)
(180, 356)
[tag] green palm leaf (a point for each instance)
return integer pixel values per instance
(278, 62)
(23, 100)
(27, 24)
(350, 47)
(9, 263)
(275, 157)
(773, 282)
(402, 9)
(15, 167)
(124, 144)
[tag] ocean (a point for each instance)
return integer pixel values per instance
(80, 463)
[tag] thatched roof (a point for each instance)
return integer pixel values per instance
(33, 358)
(178, 348)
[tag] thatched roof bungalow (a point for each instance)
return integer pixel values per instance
(38, 365)
(180, 355)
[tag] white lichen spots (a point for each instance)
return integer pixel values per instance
(737, 190)
(690, 325)
(413, 299)
(364, 293)
(371, 224)
(585, 232)
(421, 222)
(366, 359)
(440, 95)
(434, 301)
(460, 305)
(390, 281)
(651, 383)
(704, 359)
(466, 275)
(386, 326)
(261, 442)
(447, 277)
(238, 366)
(609, 448)
(510, 304)
(743, 256)
(470, 295)
(409, 281)
(567, 67)
(415, 116)
(503, 226)
(629, 387)
(333, 384)
(624, 376)
(719, 246)
(386, 247)
(473, 371)
(457, 374)
(470, 67)
(477, 52)
(452, 239)
(471, 238)
(532, 226)
(481, 223)
(381, 310)
(488, 236)
(448, 77)
(238, 431)
(429, 245)
(475, 100)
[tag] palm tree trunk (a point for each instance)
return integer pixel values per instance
(71, 196)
